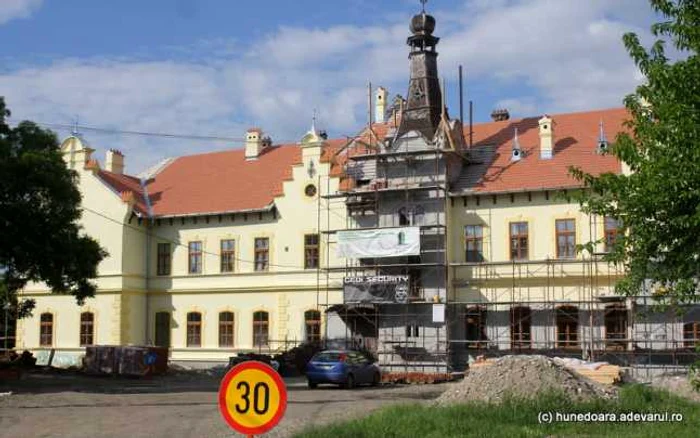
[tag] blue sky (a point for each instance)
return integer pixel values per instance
(217, 67)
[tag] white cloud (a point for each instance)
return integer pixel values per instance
(11, 9)
(550, 55)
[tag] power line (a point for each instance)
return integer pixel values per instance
(146, 133)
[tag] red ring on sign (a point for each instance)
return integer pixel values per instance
(267, 369)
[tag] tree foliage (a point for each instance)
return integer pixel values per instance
(658, 203)
(40, 238)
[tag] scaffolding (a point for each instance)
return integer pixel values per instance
(574, 313)
(491, 307)
(392, 184)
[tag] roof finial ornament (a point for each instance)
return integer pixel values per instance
(516, 153)
(76, 122)
(313, 122)
(423, 2)
(602, 139)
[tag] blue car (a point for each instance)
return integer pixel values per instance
(345, 368)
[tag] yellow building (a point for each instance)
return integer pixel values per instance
(240, 250)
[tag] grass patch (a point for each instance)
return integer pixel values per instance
(519, 418)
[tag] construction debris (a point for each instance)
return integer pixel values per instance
(492, 380)
(601, 372)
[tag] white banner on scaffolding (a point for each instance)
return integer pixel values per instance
(382, 242)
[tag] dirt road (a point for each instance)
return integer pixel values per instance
(180, 406)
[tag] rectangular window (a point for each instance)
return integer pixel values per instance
(518, 241)
(474, 243)
(87, 328)
(566, 238)
(194, 329)
(164, 257)
(611, 227)
(226, 329)
(261, 326)
(311, 251)
(195, 257)
(228, 255)
(46, 330)
(412, 331)
(262, 253)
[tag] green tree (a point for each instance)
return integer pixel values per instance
(40, 238)
(659, 202)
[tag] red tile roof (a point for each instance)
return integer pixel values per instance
(123, 184)
(221, 182)
(575, 143)
(225, 181)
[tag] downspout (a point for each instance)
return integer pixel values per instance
(149, 225)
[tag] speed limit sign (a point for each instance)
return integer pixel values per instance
(252, 398)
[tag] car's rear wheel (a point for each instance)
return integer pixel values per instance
(312, 385)
(350, 382)
(376, 379)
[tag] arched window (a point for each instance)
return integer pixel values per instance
(520, 328)
(261, 327)
(194, 329)
(312, 324)
(46, 330)
(404, 217)
(475, 326)
(87, 328)
(226, 329)
(616, 327)
(567, 327)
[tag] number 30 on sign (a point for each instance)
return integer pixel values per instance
(252, 398)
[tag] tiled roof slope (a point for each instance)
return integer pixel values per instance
(222, 181)
(575, 141)
(225, 181)
(123, 184)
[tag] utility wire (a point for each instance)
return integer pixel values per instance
(145, 133)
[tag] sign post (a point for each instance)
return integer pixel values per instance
(252, 398)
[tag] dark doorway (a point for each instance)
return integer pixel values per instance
(163, 329)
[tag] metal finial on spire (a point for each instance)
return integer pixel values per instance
(423, 2)
(602, 139)
(516, 153)
(76, 123)
(313, 122)
(601, 135)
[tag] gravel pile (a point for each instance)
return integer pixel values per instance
(523, 377)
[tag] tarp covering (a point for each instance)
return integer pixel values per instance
(376, 289)
(383, 242)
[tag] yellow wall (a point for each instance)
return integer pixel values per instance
(127, 303)
(543, 276)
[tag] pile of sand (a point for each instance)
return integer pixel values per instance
(523, 377)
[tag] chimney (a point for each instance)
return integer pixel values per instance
(500, 115)
(380, 105)
(546, 133)
(114, 162)
(253, 143)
